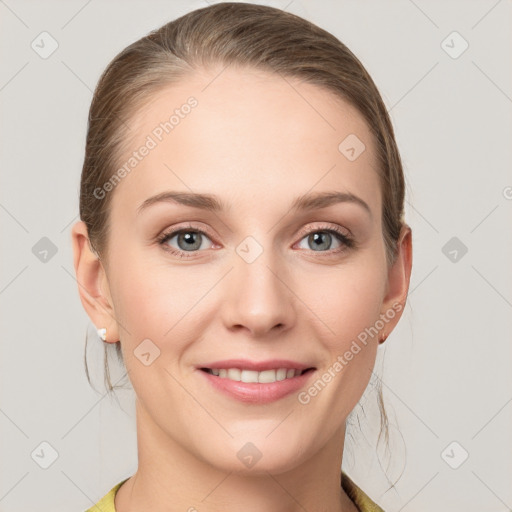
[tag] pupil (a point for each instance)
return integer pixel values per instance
(191, 244)
(317, 239)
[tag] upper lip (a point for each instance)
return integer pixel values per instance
(259, 366)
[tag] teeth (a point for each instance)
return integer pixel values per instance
(281, 374)
(264, 377)
(249, 376)
(267, 376)
(234, 374)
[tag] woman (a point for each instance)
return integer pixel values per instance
(242, 244)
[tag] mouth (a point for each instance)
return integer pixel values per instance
(256, 383)
(253, 376)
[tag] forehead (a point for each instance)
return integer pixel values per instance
(247, 135)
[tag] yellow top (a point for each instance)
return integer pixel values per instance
(360, 499)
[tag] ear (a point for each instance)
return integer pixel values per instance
(399, 275)
(93, 286)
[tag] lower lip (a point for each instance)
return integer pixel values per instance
(255, 392)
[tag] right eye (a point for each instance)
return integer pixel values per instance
(187, 240)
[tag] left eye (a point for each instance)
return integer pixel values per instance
(322, 239)
(186, 240)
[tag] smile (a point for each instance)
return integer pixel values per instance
(263, 377)
(253, 382)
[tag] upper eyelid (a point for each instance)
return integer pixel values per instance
(326, 227)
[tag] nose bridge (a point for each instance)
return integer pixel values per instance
(258, 299)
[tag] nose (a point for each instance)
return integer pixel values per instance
(257, 297)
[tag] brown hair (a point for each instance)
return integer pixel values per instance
(239, 34)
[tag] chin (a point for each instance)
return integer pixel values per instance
(256, 455)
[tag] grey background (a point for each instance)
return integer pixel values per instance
(445, 369)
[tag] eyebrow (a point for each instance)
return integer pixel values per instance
(209, 202)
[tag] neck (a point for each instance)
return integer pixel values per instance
(170, 478)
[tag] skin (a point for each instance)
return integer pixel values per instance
(257, 143)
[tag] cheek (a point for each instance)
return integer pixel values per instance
(166, 305)
(347, 299)
(151, 295)
(348, 302)
(153, 304)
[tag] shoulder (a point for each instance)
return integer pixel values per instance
(106, 504)
(362, 501)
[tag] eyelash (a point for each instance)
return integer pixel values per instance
(346, 241)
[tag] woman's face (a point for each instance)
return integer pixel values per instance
(258, 273)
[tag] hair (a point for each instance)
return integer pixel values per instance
(243, 35)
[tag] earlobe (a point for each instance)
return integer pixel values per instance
(92, 283)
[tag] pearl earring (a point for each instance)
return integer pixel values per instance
(102, 333)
